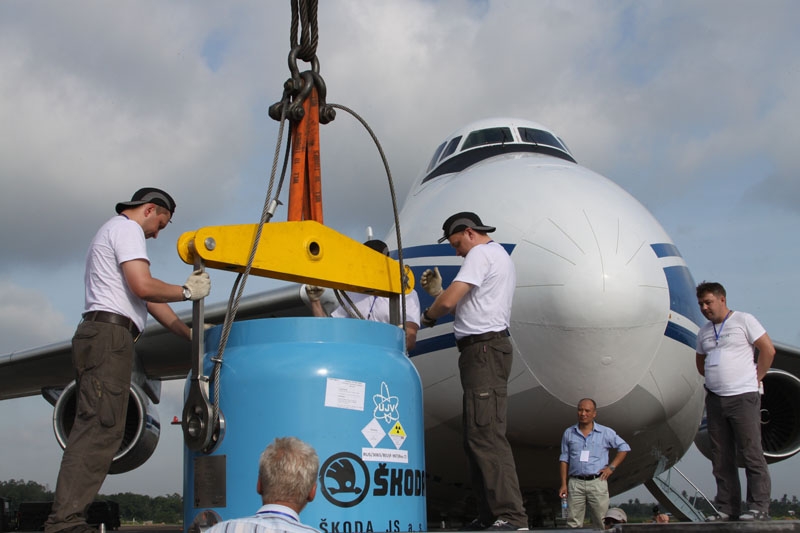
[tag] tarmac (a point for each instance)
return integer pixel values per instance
(773, 526)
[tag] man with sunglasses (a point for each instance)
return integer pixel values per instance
(480, 297)
(119, 293)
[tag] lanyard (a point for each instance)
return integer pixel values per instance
(374, 299)
(718, 333)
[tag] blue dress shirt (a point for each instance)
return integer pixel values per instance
(598, 442)
(270, 518)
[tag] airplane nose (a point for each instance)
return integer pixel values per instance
(592, 303)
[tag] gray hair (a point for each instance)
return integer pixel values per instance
(288, 471)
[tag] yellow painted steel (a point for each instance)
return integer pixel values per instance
(302, 252)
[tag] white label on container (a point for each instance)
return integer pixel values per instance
(345, 394)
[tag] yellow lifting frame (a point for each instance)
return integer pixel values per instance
(299, 251)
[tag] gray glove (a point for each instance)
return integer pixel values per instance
(431, 281)
(314, 292)
(198, 285)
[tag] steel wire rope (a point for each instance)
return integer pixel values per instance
(241, 280)
(403, 278)
(305, 12)
(349, 308)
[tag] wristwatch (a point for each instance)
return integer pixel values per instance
(187, 294)
(612, 467)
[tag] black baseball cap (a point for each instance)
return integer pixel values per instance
(378, 246)
(149, 195)
(462, 221)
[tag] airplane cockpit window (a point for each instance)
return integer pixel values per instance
(435, 157)
(530, 135)
(487, 136)
(480, 144)
(451, 147)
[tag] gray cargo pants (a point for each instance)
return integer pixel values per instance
(734, 422)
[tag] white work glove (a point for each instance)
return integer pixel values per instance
(206, 327)
(198, 284)
(431, 281)
(314, 292)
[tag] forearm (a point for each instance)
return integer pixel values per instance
(317, 309)
(411, 335)
(447, 300)
(156, 291)
(700, 361)
(165, 316)
(618, 458)
(766, 354)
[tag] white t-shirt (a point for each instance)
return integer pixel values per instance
(376, 308)
(117, 241)
(487, 306)
(729, 365)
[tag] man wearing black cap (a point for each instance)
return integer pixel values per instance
(480, 297)
(369, 307)
(119, 294)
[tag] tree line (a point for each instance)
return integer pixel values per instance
(167, 509)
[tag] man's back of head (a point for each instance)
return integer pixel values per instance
(287, 473)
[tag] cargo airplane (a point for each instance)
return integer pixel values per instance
(604, 308)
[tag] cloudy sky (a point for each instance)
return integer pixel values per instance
(690, 106)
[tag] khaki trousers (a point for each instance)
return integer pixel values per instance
(580, 494)
(484, 368)
(102, 355)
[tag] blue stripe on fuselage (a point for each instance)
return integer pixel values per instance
(679, 280)
(437, 250)
(681, 296)
(681, 334)
(665, 249)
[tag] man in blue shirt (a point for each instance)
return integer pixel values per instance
(585, 467)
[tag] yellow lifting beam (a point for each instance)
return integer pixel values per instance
(299, 251)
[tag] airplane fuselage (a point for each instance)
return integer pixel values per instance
(604, 308)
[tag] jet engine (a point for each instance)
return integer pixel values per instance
(780, 418)
(142, 428)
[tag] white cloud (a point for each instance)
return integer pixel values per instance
(690, 106)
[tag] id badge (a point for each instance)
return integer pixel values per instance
(584, 456)
(713, 356)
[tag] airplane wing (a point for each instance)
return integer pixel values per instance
(162, 354)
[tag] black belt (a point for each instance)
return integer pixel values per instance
(587, 478)
(112, 318)
(463, 342)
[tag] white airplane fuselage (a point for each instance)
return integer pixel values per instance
(604, 308)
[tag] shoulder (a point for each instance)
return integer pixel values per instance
(122, 228)
(604, 429)
(745, 317)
